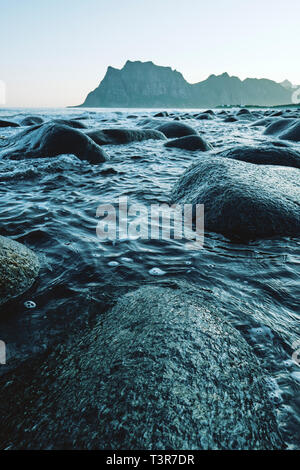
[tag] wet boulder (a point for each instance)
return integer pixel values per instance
(176, 129)
(75, 123)
(4, 123)
(190, 142)
(163, 369)
(279, 125)
(243, 112)
(161, 114)
(123, 136)
(230, 119)
(19, 267)
(243, 200)
(292, 132)
(204, 116)
(268, 155)
(31, 121)
(50, 140)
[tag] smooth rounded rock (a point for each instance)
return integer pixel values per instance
(176, 129)
(123, 136)
(162, 370)
(243, 200)
(190, 142)
(19, 267)
(268, 155)
(52, 139)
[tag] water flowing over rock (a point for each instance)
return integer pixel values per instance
(242, 199)
(162, 370)
(176, 129)
(268, 155)
(52, 139)
(19, 267)
(123, 136)
(31, 121)
(189, 142)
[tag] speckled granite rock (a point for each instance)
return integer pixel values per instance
(19, 267)
(162, 370)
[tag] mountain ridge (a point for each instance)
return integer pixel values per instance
(144, 84)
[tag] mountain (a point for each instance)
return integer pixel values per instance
(144, 84)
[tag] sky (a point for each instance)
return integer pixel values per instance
(53, 52)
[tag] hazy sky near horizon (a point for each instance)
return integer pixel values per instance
(53, 52)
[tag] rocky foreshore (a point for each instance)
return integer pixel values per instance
(163, 368)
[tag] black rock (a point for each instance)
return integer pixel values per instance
(269, 155)
(190, 142)
(31, 121)
(176, 129)
(243, 200)
(51, 139)
(230, 119)
(292, 132)
(8, 124)
(161, 114)
(204, 116)
(123, 136)
(279, 125)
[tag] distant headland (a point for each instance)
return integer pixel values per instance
(146, 85)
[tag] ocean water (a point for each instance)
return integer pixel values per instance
(50, 204)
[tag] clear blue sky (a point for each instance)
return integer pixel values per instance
(53, 52)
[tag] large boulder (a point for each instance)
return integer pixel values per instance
(52, 139)
(292, 132)
(75, 123)
(243, 200)
(268, 155)
(161, 370)
(19, 267)
(176, 129)
(279, 125)
(190, 142)
(123, 136)
(8, 124)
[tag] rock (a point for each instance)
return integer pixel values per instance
(262, 122)
(19, 267)
(70, 122)
(161, 370)
(31, 121)
(269, 155)
(8, 124)
(161, 114)
(51, 139)
(243, 200)
(292, 132)
(204, 116)
(243, 112)
(123, 136)
(176, 129)
(190, 142)
(278, 126)
(230, 119)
